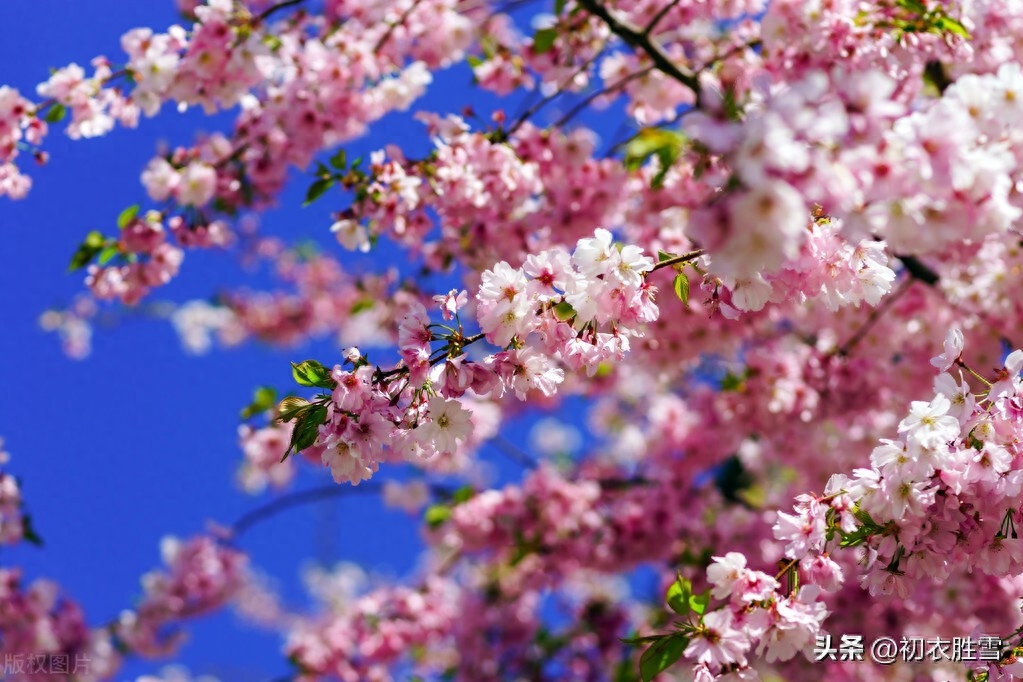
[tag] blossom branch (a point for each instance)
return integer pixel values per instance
(639, 39)
(270, 11)
(677, 260)
(392, 27)
(661, 13)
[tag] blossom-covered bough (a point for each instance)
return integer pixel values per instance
(746, 273)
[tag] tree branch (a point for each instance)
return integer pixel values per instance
(269, 11)
(639, 39)
(684, 258)
(390, 29)
(661, 13)
(297, 499)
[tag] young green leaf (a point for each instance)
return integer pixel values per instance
(307, 428)
(544, 39)
(339, 160)
(317, 189)
(436, 515)
(682, 288)
(291, 407)
(312, 373)
(662, 655)
(678, 595)
(56, 113)
(127, 215)
(263, 400)
(87, 250)
(28, 531)
(698, 602)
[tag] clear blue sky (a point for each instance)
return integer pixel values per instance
(139, 440)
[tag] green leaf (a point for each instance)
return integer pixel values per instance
(106, 254)
(307, 428)
(474, 61)
(564, 311)
(682, 288)
(664, 255)
(463, 494)
(698, 602)
(127, 215)
(362, 305)
(291, 407)
(666, 145)
(559, 7)
(93, 244)
(662, 655)
(647, 639)
(56, 113)
(436, 515)
(263, 400)
(339, 160)
(947, 24)
(317, 189)
(678, 595)
(544, 39)
(312, 373)
(28, 531)
(733, 382)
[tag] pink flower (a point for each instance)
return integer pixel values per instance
(953, 350)
(447, 424)
(718, 643)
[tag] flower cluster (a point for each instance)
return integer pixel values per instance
(201, 576)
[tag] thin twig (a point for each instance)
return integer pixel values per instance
(617, 85)
(269, 11)
(875, 315)
(297, 499)
(390, 29)
(661, 13)
(684, 258)
(513, 453)
(529, 113)
(636, 38)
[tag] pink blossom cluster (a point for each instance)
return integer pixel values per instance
(376, 630)
(263, 449)
(37, 620)
(152, 261)
(200, 576)
(12, 523)
(598, 286)
(17, 123)
(757, 614)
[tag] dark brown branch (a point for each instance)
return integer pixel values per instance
(390, 29)
(661, 13)
(269, 11)
(875, 315)
(529, 113)
(684, 258)
(617, 85)
(917, 270)
(297, 499)
(638, 39)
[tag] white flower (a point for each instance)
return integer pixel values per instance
(953, 349)
(351, 235)
(768, 228)
(448, 423)
(929, 424)
(1007, 383)
(596, 256)
(963, 401)
(724, 572)
(751, 293)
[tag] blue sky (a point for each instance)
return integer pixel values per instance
(139, 440)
